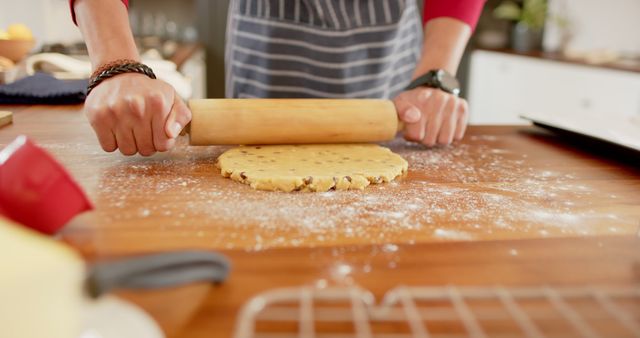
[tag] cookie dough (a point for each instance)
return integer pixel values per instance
(311, 167)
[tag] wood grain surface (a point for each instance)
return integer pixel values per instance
(508, 205)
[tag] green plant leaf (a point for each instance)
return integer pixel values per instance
(534, 13)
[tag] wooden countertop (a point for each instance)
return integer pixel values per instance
(508, 205)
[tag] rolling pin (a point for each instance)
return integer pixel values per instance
(291, 121)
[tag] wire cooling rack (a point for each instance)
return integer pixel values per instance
(442, 312)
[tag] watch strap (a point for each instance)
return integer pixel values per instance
(426, 79)
(430, 79)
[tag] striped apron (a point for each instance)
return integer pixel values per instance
(321, 48)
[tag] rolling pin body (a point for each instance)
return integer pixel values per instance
(291, 121)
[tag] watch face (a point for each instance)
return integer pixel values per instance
(448, 82)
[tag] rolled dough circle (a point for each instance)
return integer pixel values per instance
(311, 167)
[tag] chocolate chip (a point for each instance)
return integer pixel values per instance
(348, 178)
(335, 184)
(243, 175)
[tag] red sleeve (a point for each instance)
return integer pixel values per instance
(467, 11)
(73, 13)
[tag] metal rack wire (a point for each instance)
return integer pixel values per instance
(442, 312)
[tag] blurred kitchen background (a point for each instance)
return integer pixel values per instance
(562, 57)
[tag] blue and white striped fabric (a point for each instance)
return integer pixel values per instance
(321, 48)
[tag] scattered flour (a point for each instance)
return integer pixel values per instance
(452, 234)
(464, 192)
(341, 273)
(389, 247)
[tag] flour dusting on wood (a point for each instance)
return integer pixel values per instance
(460, 193)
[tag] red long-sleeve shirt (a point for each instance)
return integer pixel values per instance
(467, 11)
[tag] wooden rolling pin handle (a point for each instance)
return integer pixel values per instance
(187, 128)
(6, 117)
(291, 121)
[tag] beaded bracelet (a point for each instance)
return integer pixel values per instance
(118, 67)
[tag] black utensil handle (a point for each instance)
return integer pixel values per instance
(159, 270)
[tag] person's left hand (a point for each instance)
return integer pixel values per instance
(432, 116)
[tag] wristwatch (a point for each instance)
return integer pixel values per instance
(437, 78)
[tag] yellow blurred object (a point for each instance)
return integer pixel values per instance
(16, 42)
(6, 117)
(19, 31)
(41, 286)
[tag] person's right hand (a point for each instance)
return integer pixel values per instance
(136, 114)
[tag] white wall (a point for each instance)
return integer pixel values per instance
(49, 20)
(597, 24)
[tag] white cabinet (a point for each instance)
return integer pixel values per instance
(504, 86)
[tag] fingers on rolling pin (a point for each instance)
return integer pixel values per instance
(179, 117)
